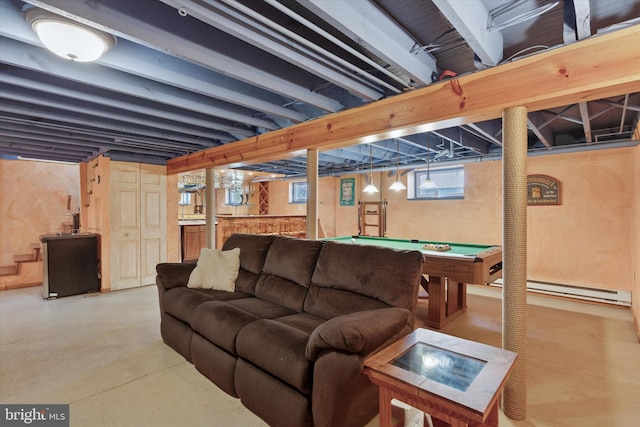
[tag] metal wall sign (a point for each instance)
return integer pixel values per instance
(542, 190)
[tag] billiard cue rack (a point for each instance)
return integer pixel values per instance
(372, 216)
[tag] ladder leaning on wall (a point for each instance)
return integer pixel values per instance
(372, 218)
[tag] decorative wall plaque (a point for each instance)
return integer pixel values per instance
(347, 191)
(542, 190)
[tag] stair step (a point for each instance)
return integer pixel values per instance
(12, 270)
(9, 270)
(25, 258)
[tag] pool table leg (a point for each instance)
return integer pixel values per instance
(446, 300)
(456, 298)
(437, 313)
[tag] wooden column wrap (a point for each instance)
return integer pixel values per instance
(514, 291)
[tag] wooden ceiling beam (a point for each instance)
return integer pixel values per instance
(595, 68)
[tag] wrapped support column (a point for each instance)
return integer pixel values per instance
(514, 291)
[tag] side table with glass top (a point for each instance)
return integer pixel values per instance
(456, 381)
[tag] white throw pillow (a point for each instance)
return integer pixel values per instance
(216, 269)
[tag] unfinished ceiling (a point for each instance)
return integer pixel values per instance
(189, 75)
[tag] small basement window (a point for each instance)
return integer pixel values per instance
(448, 184)
(298, 192)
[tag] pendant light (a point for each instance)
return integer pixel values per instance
(427, 184)
(370, 188)
(397, 185)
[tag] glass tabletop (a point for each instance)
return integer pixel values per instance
(443, 366)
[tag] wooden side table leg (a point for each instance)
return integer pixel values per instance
(493, 417)
(385, 407)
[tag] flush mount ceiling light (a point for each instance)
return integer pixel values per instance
(66, 38)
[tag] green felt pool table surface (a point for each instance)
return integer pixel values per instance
(408, 244)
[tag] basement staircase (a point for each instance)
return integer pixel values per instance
(34, 256)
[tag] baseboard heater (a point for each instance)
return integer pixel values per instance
(607, 296)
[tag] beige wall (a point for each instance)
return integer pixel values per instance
(585, 241)
(33, 201)
(588, 240)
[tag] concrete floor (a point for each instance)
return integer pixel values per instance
(103, 355)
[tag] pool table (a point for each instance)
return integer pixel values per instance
(448, 272)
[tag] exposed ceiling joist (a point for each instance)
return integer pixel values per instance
(577, 20)
(34, 58)
(486, 130)
(364, 22)
(470, 18)
(245, 24)
(534, 123)
(586, 121)
(131, 20)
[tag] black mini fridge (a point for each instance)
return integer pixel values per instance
(70, 263)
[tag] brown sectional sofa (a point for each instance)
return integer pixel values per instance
(290, 342)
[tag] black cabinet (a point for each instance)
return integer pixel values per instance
(70, 264)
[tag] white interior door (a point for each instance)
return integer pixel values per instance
(138, 221)
(125, 225)
(153, 227)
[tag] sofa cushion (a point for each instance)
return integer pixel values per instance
(281, 291)
(216, 269)
(278, 349)
(288, 269)
(261, 308)
(181, 302)
(246, 281)
(304, 321)
(350, 278)
(293, 259)
(220, 323)
(253, 250)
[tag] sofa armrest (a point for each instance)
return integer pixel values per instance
(360, 333)
(172, 275)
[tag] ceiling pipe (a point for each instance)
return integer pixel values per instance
(266, 42)
(310, 25)
(282, 30)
